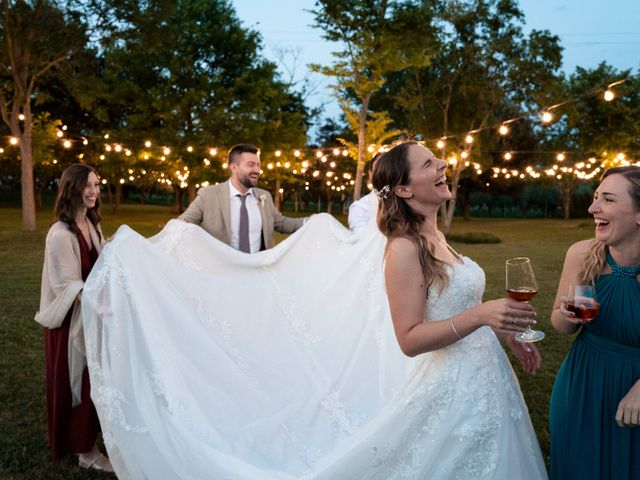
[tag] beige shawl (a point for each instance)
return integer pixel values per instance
(61, 283)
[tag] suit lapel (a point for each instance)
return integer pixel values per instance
(263, 215)
(224, 202)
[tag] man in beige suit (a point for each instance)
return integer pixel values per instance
(236, 212)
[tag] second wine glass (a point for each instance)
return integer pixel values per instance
(522, 286)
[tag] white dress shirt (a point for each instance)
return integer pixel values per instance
(255, 219)
(362, 211)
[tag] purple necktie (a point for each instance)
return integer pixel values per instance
(243, 233)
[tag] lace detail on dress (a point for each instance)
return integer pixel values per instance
(288, 303)
(343, 422)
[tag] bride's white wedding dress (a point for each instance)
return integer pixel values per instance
(207, 363)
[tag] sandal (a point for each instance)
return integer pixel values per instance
(98, 462)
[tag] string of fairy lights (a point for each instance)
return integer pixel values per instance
(320, 163)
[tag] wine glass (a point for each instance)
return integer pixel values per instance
(582, 302)
(523, 286)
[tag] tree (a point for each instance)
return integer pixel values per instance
(485, 70)
(607, 132)
(35, 38)
(378, 36)
(187, 74)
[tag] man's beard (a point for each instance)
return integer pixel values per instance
(248, 182)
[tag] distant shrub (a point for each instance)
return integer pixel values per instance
(473, 237)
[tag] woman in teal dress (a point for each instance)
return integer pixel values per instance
(595, 404)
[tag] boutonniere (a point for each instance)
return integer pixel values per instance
(262, 198)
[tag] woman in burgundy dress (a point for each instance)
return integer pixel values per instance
(73, 244)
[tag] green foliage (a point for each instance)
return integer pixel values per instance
(378, 37)
(189, 74)
(484, 70)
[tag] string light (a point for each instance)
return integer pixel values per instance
(508, 156)
(547, 117)
(147, 144)
(440, 144)
(13, 141)
(608, 95)
(468, 138)
(503, 130)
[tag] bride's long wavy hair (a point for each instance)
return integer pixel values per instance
(397, 219)
(596, 257)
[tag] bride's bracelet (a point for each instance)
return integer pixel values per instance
(454, 329)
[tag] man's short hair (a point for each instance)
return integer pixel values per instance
(237, 150)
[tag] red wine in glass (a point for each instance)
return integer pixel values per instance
(582, 302)
(583, 311)
(521, 285)
(522, 294)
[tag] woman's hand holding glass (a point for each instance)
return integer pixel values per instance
(506, 315)
(580, 305)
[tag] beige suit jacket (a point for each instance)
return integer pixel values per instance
(210, 210)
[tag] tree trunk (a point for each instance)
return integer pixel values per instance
(466, 202)
(329, 202)
(567, 195)
(109, 194)
(295, 201)
(38, 196)
(276, 195)
(319, 203)
(177, 200)
(362, 130)
(26, 177)
(191, 191)
(451, 206)
(115, 206)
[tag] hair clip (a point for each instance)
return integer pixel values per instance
(383, 192)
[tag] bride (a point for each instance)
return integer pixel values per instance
(209, 363)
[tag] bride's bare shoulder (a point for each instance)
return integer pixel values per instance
(401, 246)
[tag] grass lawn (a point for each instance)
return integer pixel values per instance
(24, 453)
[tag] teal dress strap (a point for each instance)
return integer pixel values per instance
(622, 270)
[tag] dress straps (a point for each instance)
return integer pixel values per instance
(622, 270)
(454, 253)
